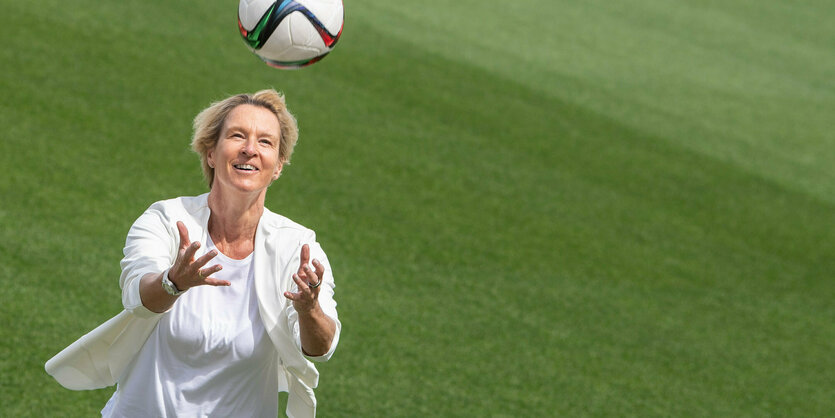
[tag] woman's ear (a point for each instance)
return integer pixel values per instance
(277, 171)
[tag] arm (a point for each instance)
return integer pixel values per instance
(150, 250)
(317, 329)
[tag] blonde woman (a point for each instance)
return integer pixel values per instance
(226, 303)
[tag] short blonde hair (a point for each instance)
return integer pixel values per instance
(209, 123)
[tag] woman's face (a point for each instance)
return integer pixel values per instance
(246, 155)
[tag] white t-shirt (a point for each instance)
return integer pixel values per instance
(209, 356)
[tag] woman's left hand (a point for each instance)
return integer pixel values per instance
(308, 281)
(316, 329)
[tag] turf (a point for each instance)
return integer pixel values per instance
(536, 208)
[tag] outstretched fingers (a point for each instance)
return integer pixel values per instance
(211, 281)
(305, 255)
(188, 272)
(205, 258)
(305, 272)
(204, 274)
(302, 285)
(184, 240)
(187, 248)
(307, 280)
(312, 277)
(320, 270)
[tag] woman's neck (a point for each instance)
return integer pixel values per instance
(234, 220)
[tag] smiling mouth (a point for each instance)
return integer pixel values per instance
(245, 167)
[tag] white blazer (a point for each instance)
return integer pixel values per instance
(99, 358)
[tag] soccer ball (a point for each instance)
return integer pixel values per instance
(290, 34)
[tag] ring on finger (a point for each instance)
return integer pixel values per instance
(313, 286)
(200, 273)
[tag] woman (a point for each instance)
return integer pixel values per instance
(225, 302)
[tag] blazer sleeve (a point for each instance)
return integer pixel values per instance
(149, 248)
(326, 299)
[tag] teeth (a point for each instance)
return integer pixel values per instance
(245, 167)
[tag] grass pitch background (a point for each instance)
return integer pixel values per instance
(536, 208)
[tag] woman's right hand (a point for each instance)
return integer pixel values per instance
(188, 272)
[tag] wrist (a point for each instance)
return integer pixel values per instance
(169, 286)
(314, 311)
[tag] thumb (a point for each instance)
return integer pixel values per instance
(184, 240)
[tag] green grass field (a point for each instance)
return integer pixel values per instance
(533, 208)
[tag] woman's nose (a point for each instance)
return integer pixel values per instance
(249, 148)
